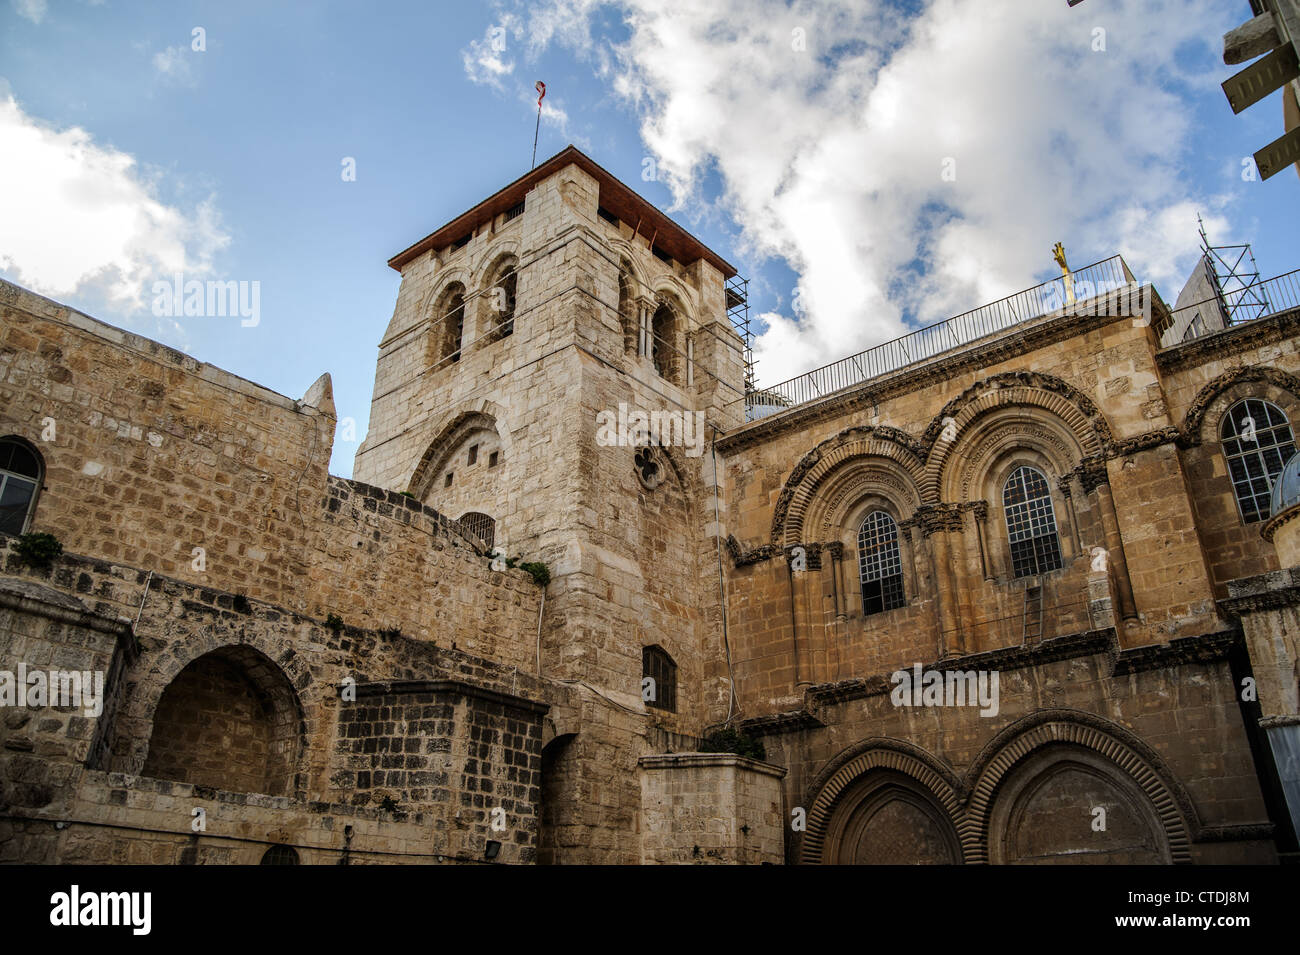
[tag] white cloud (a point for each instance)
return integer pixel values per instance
(33, 10)
(174, 64)
(78, 217)
(486, 60)
(830, 157)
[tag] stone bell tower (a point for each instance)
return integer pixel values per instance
(530, 334)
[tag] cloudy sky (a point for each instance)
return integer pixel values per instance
(870, 166)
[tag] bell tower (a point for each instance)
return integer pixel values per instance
(534, 338)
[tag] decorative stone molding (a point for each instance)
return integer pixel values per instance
(801, 485)
(1230, 341)
(1117, 745)
(1019, 380)
(1091, 473)
(1195, 418)
(937, 780)
(1183, 651)
(743, 558)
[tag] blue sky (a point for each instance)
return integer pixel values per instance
(810, 160)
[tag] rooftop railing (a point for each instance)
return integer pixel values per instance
(1238, 306)
(1100, 277)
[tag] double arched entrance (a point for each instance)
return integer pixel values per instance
(1051, 790)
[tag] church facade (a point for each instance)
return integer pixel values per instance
(999, 599)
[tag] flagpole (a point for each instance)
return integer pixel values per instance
(541, 90)
(537, 129)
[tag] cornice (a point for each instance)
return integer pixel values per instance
(1230, 341)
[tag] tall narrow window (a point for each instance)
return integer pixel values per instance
(503, 297)
(1257, 442)
(20, 481)
(663, 342)
(1031, 523)
(627, 317)
(880, 568)
(658, 679)
(454, 326)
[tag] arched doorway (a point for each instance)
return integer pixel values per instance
(1067, 805)
(229, 720)
(886, 818)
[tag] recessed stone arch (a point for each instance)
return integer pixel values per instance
(451, 429)
(1200, 424)
(277, 673)
(1058, 409)
(978, 454)
(1064, 729)
(853, 776)
(801, 488)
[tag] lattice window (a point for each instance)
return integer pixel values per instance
(481, 526)
(280, 855)
(20, 482)
(1031, 523)
(880, 566)
(659, 667)
(1257, 442)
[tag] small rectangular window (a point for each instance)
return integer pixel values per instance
(447, 481)
(607, 215)
(514, 212)
(492, 459)
(473, 454)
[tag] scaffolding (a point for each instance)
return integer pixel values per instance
(737, 295)
(1236, 277)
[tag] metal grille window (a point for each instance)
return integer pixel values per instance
(1257, 442)
(880, 567)
(280, 855)
(481, 526)
(658, 666)
(1031, 524)
(20, 477)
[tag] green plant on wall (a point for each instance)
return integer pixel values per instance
(733, 741)
(38, 550)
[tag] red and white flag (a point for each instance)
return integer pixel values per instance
(541, 88)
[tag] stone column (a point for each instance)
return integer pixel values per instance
(1096, 481)
(937, 522)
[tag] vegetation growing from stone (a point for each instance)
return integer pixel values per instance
(541, 573)
(334, 622)
(37, 549)
(733, 741)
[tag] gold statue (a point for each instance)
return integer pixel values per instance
(1058, 253)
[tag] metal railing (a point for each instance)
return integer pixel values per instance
(1241, 305)
(1100, 277)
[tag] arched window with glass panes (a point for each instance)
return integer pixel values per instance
(1031, 523)
(880, 565)
(21, 472)
(1257, 441)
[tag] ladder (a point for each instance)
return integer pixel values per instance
(1031, 626)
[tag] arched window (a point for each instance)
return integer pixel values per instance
(1031, 523)
(663, 342)
(627, 317)
(1257, 442)
(880, 568)
(500, 300)
(480, 525)
(453, 324)
(20, 482)
(658, 667)
(280, 855)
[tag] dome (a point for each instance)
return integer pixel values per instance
(1286, 489)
